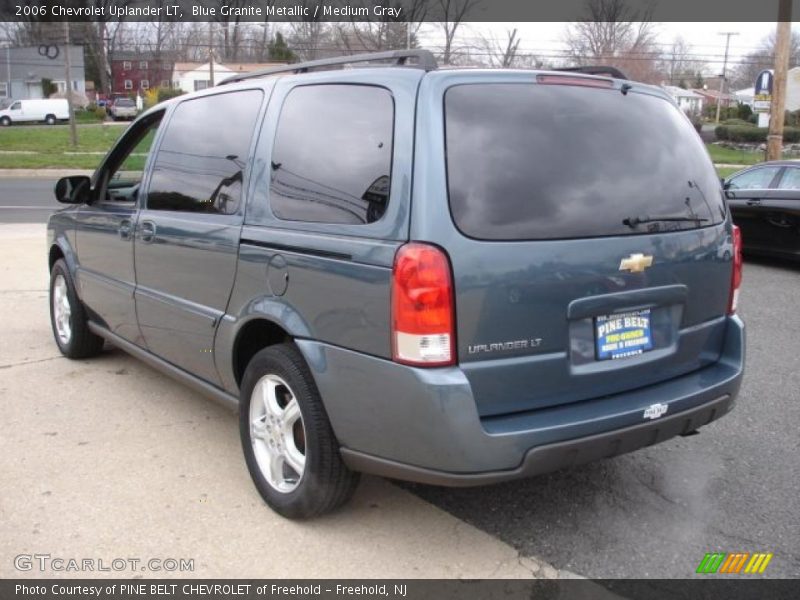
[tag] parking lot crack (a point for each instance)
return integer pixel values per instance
(29, 362)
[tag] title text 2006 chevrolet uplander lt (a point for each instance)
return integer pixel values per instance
(448, 276)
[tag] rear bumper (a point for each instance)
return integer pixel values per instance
(423, 425)
(551, 457)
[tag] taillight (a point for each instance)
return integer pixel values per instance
(422, 307)
(736, 278)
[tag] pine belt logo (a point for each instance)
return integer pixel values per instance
(734, 563)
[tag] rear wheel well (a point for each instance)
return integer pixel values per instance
(55, 254)
(254, 337)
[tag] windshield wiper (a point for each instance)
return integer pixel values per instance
(634, 221)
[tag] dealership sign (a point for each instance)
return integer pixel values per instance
(762, 91)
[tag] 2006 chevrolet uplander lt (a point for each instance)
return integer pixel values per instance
(448, 276)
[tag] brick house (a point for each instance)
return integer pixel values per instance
(135, 73)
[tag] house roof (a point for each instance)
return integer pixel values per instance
(714, 94)
(187, 67)
(679, 92)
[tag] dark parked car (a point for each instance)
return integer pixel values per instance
(765, 203)
(456, 277)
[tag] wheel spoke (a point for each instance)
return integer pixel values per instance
(276, 477)
(270, 398)
(291, 412)
(293, 457)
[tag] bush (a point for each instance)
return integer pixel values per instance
(737, 122)
(744, 112)
(747, 134)
(167, 93)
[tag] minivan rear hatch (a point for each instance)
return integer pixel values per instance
(595, 254)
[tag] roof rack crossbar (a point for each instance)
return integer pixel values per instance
(596, 70)
(424, 60)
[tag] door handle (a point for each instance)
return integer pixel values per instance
(753, 202)
(148, 231)
(125, 229)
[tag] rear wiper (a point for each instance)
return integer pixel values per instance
(634, 221)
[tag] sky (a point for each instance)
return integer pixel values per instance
(702, 37)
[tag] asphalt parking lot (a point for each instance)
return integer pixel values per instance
(107, 455)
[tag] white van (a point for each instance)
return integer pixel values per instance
(48, 111)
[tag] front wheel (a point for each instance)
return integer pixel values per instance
(5, 122)
(68, 317)
(289, 446)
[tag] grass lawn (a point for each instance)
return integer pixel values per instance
(51, 145)
(55, 139)
(727, 171)
(734, 157)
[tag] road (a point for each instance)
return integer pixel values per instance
(735, 487)
(26, 200)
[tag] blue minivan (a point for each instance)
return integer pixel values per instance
(455, 277)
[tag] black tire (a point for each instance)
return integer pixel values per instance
(81, 343)
(326, 483)
(50, 119)
(5, 122)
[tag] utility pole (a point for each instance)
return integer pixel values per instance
(782, 44)
(211, 54)
(727, 35)
(73, 132)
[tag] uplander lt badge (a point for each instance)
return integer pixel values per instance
(504, 346)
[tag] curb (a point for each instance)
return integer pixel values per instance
(43, 173)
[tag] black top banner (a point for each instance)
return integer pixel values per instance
(394, 10)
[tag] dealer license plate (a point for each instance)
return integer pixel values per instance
(622, 335)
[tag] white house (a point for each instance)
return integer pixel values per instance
(191, 77)
(687, 100)
(793, 89)
(746, 96)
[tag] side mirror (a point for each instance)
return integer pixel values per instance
(730, 194)
(725, 184)
(73, 190)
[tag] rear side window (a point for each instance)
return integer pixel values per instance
(200, 163)
(332, 158)
(790, 179)
(527, 161)
(755, 179)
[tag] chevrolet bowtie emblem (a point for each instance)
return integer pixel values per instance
(635, 263)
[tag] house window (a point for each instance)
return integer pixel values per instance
(128, 84)
(143, 64)
(126, 65)
(164, 83)
(144, 84)
(201, 84)
(3, 89)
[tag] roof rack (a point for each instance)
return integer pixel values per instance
(596, 70)
(424, 60)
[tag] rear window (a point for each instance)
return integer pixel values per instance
(125, 103)
(528, 161)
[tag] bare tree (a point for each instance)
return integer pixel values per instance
(502, 55)
(614, 33)
(744, 74)
(678, 65)
(452, 13)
